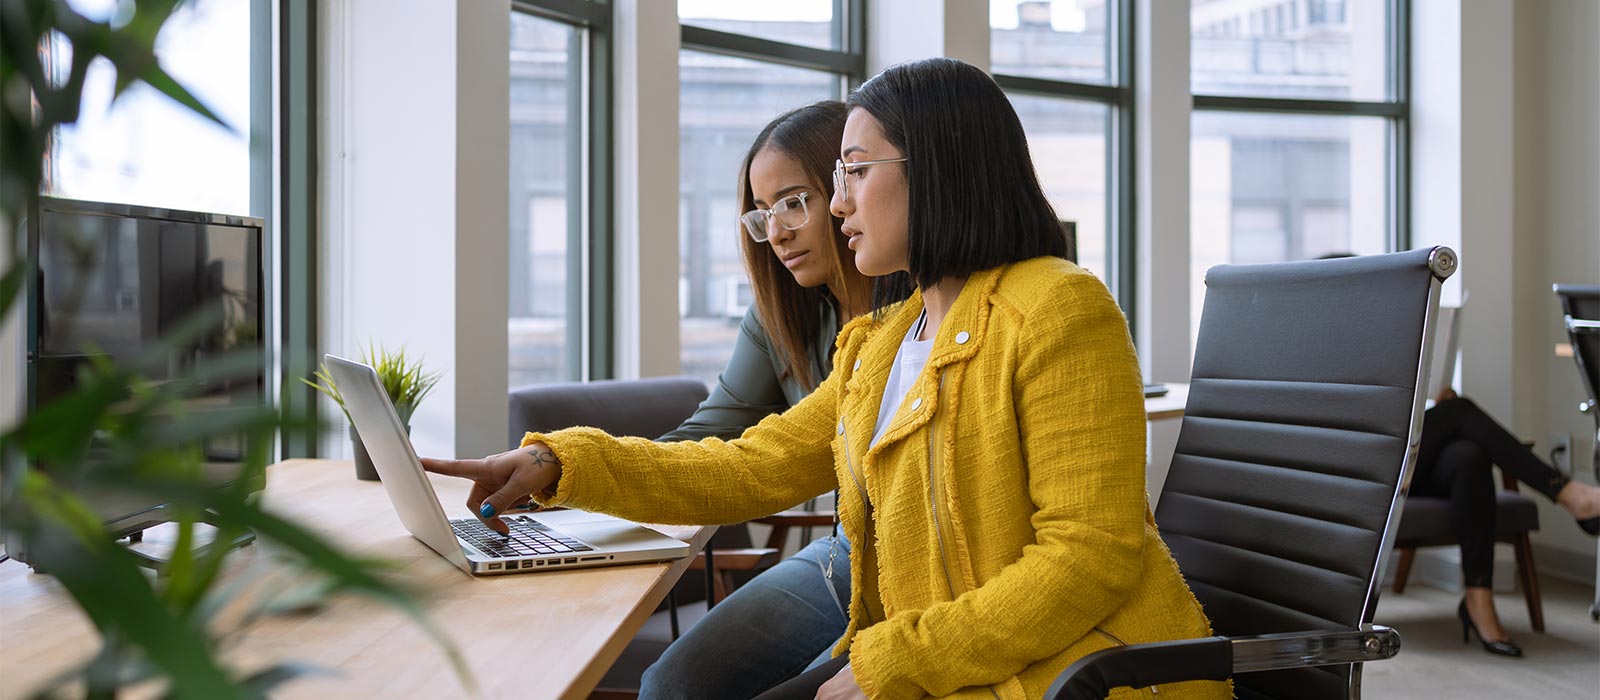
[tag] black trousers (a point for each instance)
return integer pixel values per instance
(805, 685)
(1459, 445)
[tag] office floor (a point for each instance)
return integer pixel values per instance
(1563, 662)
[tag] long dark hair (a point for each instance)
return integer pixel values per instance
(789, 312)
(975, 201)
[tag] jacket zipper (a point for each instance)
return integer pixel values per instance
(933, 493)
(933, 502)
(866, 503)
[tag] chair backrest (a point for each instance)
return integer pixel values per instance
(1581, 302)
(1304, 413)
(628, 407)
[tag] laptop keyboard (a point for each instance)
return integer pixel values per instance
(528, 538)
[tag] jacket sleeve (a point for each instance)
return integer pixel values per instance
(1081, 427)
(747, 390)
(783, 460)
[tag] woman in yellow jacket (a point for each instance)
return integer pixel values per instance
(985, 426)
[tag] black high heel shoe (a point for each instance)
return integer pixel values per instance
(1505, 648)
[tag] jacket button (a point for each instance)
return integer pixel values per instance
(857, 365)
(916, 403)
(961, 338)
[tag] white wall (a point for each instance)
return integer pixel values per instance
(1506, 141)
(647, 43)
(1556, 238)
(415, 140)
(1162, 108)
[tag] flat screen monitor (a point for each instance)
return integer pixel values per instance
(112, 280)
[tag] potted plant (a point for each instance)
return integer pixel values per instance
(402, 378)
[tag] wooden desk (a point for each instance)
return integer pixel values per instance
(1168, 406)
(545, 635)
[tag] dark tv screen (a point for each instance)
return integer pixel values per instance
(113, 279)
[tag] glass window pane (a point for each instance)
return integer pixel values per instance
(147, 149)
(724, 103)
(1057, 39)
(1067, 139)
(546, 180)
(1272, 188)
(803, 22)
(1311, 49)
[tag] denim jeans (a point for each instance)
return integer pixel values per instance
(770, 630)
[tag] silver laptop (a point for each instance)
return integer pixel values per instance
(1446, 346)
(559, 539)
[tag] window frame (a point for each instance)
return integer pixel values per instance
(591, 228)
(847, 64)
(1121, 156)
(1396, 110)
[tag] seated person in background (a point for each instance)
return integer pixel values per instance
(985, 426)
(805, 280)
(1459, 445)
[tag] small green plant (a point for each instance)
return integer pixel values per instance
(403, 379)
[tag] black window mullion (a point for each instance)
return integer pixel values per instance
(589, 15)
(769, 51)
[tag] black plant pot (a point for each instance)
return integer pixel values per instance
(364, 469)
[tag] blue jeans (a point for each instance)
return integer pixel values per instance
(770, 630)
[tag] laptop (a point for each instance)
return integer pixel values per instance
(1446, 346)
(560, 539)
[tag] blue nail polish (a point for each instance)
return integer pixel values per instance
(486, 511)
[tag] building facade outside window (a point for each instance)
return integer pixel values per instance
(546, 194)
(1299, 131)
(1066, 67)
(741, 65)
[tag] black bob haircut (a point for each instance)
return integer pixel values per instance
(975, 201)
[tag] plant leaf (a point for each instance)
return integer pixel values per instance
(107, 584)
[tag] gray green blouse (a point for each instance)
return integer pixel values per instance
(749, 389)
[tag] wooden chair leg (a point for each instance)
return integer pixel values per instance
(1403, 570)
(722, 583)
(1529, 576)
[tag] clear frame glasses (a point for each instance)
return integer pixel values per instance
(790, 212)
(840, 168)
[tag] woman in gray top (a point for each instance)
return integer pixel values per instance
(805, 283)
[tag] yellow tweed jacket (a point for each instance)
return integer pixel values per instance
(1008, 519)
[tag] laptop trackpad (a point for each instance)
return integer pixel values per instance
(603, 531)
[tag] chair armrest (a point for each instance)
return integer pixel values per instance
(799, 518)
(1218, 658)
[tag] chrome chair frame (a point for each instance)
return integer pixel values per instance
(1219, 658)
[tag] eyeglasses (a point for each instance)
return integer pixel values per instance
(840, 168)
(791, 213)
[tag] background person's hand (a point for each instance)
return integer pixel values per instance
(503, 481)
(842, 686)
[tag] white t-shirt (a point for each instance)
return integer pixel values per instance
(908, 364)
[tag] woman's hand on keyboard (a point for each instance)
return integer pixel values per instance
(503, 481)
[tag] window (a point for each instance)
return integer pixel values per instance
(1066, 67)
(802, 22)
(1298, 135)
(550, 184)
(760, 62)
(147, 149)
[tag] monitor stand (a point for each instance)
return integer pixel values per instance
(157, 563)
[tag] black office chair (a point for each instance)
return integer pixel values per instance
(1302, 427)
(1580, 308)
